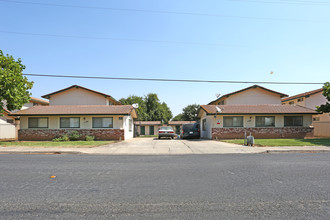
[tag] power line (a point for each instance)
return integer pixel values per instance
(171, 80)
(165, 12)
(119, 39)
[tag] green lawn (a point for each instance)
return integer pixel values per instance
(285, 142)
(53, 144)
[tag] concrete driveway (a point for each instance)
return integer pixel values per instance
(155, 146)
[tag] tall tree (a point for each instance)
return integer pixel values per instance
(141, 110)
(13, 85)
(326, 92)
(178, 117)
(150, 108)
(155, 110)
(190, 112)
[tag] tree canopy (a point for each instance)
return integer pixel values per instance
(189, 113)
(13, 85)
(150, 108)
(326, 92)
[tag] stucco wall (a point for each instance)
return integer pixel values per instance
(250, 120)
(129, 131)
(206, 132)
(252, 97)
(147, 129)
(85, 121)
(315, 100)
(77, 96)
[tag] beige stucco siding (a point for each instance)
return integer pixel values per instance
(76, 96)
(302, 102)
(249, 121)
(85, 122)
(315, 100)
(147, 129)
(252, 97)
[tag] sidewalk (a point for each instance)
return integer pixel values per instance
(163, 147)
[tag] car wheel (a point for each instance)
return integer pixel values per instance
(172, 137)
(158, 137)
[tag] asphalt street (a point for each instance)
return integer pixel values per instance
(232, 186)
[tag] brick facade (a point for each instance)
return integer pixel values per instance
(50, 134)
(284, 132)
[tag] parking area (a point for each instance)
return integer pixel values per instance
(155, 146)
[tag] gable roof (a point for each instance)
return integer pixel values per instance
(147, 122)
(6, 110)
(41, 101)
(77, 110)
(47, 96)
(256, 109)
(251, 87)
(180, 122)
(305, 94)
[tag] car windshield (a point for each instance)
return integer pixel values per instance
(166, 128)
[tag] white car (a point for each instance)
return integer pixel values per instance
(166, 131)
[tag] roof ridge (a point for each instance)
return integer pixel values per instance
(312, 92)
(247, 88)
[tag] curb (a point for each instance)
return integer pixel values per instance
(42, 152)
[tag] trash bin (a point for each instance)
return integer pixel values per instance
(250, 140)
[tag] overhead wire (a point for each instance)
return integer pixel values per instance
(164, 12)
(171, 80)
(119, 39)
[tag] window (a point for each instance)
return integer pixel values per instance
(293, 121)
(102, 122)
(10, 121)
(120, 118)
(265, 121)
(316, 119)
(35, 104)
(300, 99)
(204, 124)
(222, 102)
(69, 122)
(233, 121)
(130, 125)
(291, 103)
(38, 122)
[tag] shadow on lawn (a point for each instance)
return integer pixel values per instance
(320, 142)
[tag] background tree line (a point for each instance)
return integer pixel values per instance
(150, 108)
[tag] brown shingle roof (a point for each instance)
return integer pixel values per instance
(41, 101)
(77, 86)
(251, 87)
(78, 110)
(302, 94)
(180, 122)
(257, 109)
(148, 122)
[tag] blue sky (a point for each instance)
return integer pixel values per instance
(290, 38)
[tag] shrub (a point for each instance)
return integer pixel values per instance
(74, 135)
(89, 138)
(57, 139)
(62, 138)
(65, 138)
